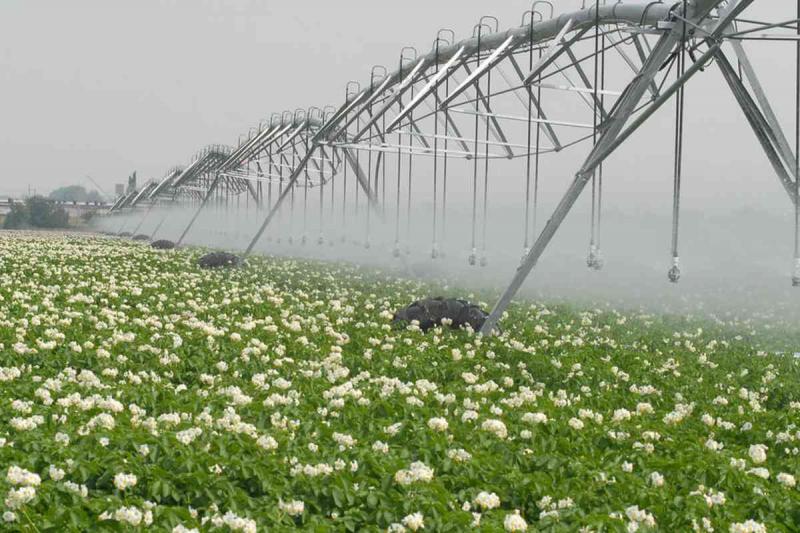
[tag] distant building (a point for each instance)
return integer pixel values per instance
(119, 189)
(132, 182)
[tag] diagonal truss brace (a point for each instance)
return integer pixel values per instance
(548, 128)
(362, 178)
(778, 137)
(367, 106)
(391, 100)
(298, 170)
(757, 121)
(495, 129)
(605, 145)
(557, 47)
(433, 84)
(290, 183)
(206, 198)
(506, 48)
(587, 82)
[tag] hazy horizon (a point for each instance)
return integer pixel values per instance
(105, 88)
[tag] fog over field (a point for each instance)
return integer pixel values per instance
(733, 263)
(103, 88)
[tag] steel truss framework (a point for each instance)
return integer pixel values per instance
(485, 99)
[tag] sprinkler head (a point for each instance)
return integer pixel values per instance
(484, 261)
(396, 250)
(303, 239)
(434, 251)
(674, 274)
(290, 240)
(473, 257)
(321, 240)
(595, 260)
(796, 276)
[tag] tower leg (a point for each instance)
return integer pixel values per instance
(286, 191)
(206, 198)
(604, 147)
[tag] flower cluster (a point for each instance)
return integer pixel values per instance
(142, 392)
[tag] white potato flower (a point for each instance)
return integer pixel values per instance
(656, 479)
(438, 424)
(20, 476)
(495, 426)
(17, 498)
(576, 424)
(124, 481)
(414, 521)
(758, 453)
(417, 472)
(515, 522)
(292, 507)
(787, 480)
(486, 500)
(750, 526)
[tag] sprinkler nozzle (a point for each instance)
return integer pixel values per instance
(674, 274)
(595, 259)
(473, 257)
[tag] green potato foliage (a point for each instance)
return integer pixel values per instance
(140, 392)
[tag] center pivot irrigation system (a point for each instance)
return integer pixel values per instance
(591, 78)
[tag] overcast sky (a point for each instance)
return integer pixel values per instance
(105, 87)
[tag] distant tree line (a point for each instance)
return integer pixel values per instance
(75, 193)
(36, 212)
